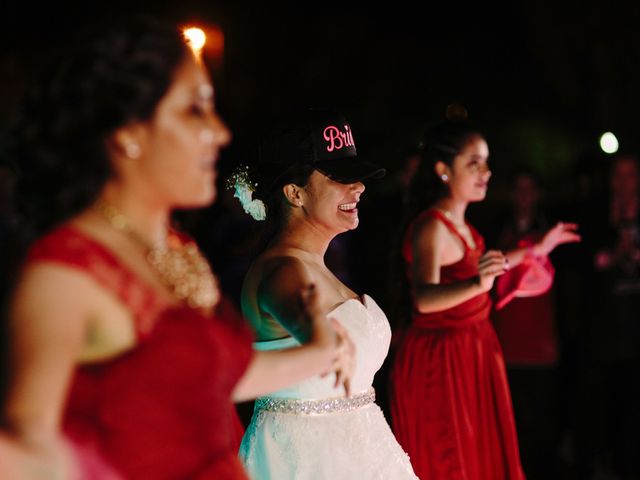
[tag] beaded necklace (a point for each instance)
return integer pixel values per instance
(180, 265)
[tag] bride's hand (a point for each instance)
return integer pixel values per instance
(330, 335)
(344, 364)
(321, 332)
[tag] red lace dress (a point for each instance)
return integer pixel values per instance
(161, 410)
(450, 404)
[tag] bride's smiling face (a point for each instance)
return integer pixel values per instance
(330, 204)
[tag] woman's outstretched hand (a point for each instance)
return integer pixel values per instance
(559, 234)
(330, 334)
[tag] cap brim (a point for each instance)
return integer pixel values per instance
(349, 170)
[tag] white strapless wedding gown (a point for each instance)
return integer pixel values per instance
(310, 431)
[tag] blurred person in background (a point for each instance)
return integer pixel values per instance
(608, 402)
(525, 321)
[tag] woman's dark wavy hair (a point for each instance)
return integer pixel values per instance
(440, 143)
(111, 78)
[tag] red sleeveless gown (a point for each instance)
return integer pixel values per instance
(162, 410)
(450, 403)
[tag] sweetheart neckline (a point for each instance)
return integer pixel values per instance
(363, 300)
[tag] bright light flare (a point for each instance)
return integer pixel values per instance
(195, 38)
(609, 143)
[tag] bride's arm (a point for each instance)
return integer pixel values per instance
(326, 345)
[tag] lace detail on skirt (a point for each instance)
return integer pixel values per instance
(338, 446)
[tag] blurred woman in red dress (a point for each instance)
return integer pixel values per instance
(125, 360)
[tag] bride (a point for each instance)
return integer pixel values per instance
(311, 181)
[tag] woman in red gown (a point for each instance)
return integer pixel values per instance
(450, 404)
(125, 361)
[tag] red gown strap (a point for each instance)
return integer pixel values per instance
(71, 247)
(435, 213)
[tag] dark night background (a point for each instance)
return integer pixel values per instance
(543, 80)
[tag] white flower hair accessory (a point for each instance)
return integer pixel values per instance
(244, 188)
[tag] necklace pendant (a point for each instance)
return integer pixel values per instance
(180, 265)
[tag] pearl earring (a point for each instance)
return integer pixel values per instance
(444, 177)
(133, 150)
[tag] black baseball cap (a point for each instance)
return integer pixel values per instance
(320, 138)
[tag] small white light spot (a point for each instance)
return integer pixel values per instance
(609, 143)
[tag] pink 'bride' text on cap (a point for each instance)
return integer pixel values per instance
(321, 138)
(337, 139)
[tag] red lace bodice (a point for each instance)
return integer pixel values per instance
(162, 409)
